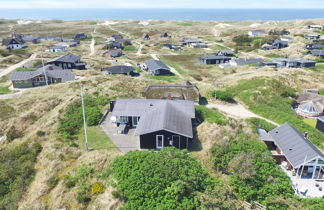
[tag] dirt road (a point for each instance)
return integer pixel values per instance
(6, 71)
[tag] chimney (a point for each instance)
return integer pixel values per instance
(306, 135)
(50, 68)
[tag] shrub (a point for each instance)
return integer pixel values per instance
(255, 175)
(83, 198)
(289, 92)
(71, 119)
(168, 179)
(13, 133)
(4, 90)
(40, 133)
(97, 188)
(117, 194)
(223, 95)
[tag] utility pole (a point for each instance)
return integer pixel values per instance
(84, 121)
(44, 68)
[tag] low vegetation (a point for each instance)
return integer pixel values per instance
(222, 95)
(210, 115)
(71, 120)
(169, 179)
(4, 90)
(273, 55)
(130, 48)
(246, 43)
(17, 172)
(22, 69)
(97, 139)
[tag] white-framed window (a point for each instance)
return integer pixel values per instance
(123, 119)
(159, 141)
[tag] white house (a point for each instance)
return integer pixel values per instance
(58, 48)
(256, 33)
(13, 43)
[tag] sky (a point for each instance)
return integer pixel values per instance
(162, 4)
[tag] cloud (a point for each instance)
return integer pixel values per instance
(161, 4)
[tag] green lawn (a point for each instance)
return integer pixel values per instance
(184, 24)
(97, 139)
(4, 90)
(311, 122)
(210, 115)
(273, 55)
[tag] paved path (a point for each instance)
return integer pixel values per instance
(10, 95)
(92, 47)
(6, 71)
(237, 111)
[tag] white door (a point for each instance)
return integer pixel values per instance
(159, 141)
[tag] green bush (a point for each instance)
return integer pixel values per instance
(4, 90)
(321, 91)
(223, 95)
(17, 172)
(210, 115)
(168, 179)
(254, 173)
(71, 120)
(40, 133)
(259, 123)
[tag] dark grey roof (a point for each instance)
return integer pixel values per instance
(51, 71)
(215, 57)
(115, 52)
(156, 114)
(317, 52)
(296, 148)
(264, 135)
(154, 65)
(120, 69)
(68, 58)
(247, 61)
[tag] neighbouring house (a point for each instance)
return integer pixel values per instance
(319, 41)
(186, 91)
(159, 123)
(80, 36)
(294, 151)
(277, 32)
(199, 45)
(68, 44)
(117, 36)
(172, 46)
(50, 38)
(314, 46)
(315, 27)
(310, 105)
(165, 35)
(29, 79)
(146, 37)
(58, 48)
(214, 59)
(294, 63)
(319, 53)
(68, 61)
(320, 123)
(114, 53)
(31, 39)
(13, 43)
(228, 53)
(312, 36)
(188, 41)
(155, 67)
(71, 40)
(275, 44)
(122, 69)
(244, 61)
(256, 33)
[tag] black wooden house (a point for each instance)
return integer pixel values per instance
(159, 123)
